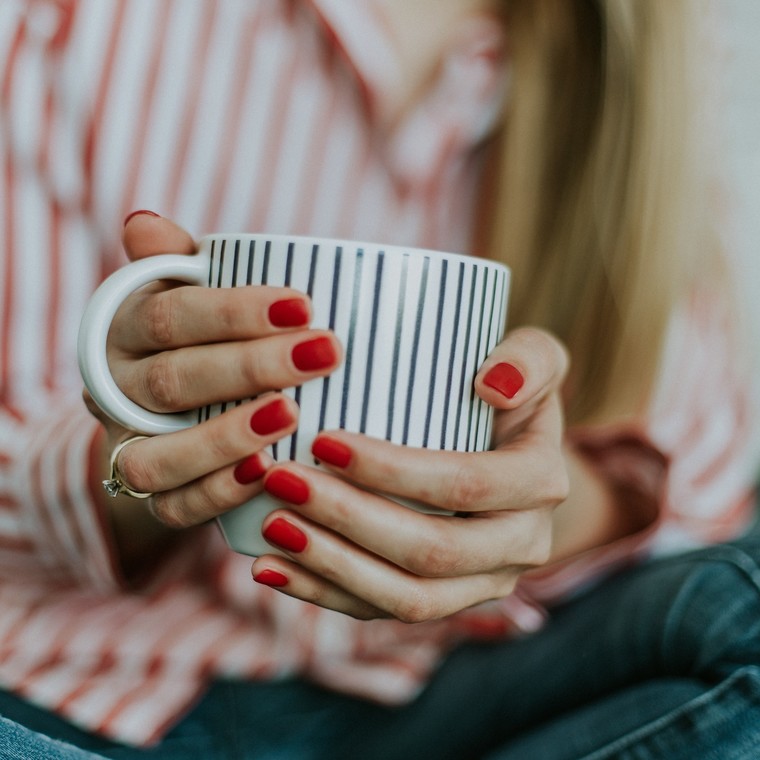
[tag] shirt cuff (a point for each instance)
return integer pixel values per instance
(636, 472)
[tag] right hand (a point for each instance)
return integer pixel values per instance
(176, 347)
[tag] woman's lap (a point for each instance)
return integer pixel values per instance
(677, 627)
(666, 652)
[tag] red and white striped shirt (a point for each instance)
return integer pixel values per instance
(248, 115)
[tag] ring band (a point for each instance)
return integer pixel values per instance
(115, 485)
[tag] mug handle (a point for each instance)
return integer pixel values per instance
(93, 334)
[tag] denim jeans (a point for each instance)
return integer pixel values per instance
(659, 661)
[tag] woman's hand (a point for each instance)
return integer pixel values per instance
(356, 551)
(174, 347)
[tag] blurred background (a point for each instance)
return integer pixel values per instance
(737, 96)
(736, 24)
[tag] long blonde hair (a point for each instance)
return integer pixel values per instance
(595, 201)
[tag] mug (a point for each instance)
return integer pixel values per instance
(415, 326)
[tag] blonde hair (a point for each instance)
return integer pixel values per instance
(594, 204)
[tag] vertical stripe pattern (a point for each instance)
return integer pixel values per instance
(409, 322)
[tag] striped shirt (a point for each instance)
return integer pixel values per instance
(252, 115)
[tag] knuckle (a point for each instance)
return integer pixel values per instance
(416, 607)
(227, 311)
(160, 319)
(251, 370)
(212, 497)
(167, 510)
(223, 445)
(468, 490)
(162, 384)
(433, 556)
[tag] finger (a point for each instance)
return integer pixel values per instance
(297, 582)
(211, 495)
(173, 460)
(429, 545)
(394, 591)
(193, 377)
(147, 234)
(530, 474)
(185, 316)
(527, 365)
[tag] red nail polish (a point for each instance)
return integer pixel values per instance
(287, 486)
(504, 378)
(140, 211)
(291, 312)
(269, 419)
(285, 535)
(271, 578)
(313, 355)
(249, 470)
(331, 451)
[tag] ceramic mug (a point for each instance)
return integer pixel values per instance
(415, 326)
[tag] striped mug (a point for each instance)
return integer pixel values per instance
(415, 326)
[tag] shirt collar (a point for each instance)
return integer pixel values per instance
(460, 107)
(360, 31)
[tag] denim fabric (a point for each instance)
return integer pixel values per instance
(19, 743)
(661, 661)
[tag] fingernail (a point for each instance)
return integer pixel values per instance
(285, 535)
(250, 470)
(291, 312)
(315, 354)
(287, 486)
(271, 578)
(140, 211)
(331, 451)
(504, 378)
(269, 419)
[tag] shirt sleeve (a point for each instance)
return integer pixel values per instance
(50, 525)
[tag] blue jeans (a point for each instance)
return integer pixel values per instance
(660, 661)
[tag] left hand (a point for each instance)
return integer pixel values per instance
(358, 552)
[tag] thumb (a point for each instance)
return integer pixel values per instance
(146, 234)
(525, 367)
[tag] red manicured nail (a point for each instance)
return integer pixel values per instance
(315, 354)
(140, 211)
(271, 578)
(292, 312)
(504, 378)
(269, 419)
(285, 535)
(331, 451)
(250, 470)
(288, 487)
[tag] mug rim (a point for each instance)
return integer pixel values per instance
(348, 242)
